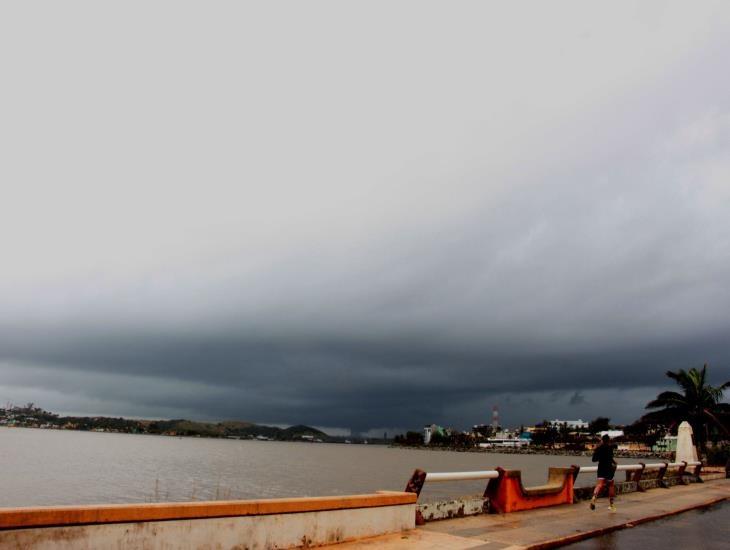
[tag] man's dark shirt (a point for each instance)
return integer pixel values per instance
(604, 456)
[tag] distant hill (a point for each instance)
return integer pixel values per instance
(280, 434)
(233, 428)
(300, 430)
(236, 424)
(31, 416)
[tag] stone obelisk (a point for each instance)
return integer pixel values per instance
(686, 449)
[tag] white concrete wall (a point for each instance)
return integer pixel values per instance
(239, 533)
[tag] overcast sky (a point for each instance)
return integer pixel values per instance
(362, 215)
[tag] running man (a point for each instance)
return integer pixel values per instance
(606, 468)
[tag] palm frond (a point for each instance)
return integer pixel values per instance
(662, 416)
(698, 402)
(714, 395)
(703, 376)
(684, 379)
(716, 420)
(667, 399)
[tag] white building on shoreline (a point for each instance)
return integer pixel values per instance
(572, 424)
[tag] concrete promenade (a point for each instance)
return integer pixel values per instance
(551, 527)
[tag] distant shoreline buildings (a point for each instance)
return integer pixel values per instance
(570, 435)
(572, 424)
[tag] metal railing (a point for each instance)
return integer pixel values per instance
(419, 478)
(461, 476)
(634, 467)
(494, 474)
(633, 471)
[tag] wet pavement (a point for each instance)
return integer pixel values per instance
(562, 525)
(707, 529)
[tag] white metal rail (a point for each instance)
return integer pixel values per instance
(633, 467)
(461, 476)
(419, 478)
(494, 474)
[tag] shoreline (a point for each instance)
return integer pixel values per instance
(544, 451)
(534, 451)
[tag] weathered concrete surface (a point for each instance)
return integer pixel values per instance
(242, 524)
(52, 516)
(460, 507)
(551, 527)
(246, 532)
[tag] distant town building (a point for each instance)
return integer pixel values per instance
(633, 446)
(667, 444)
(484, 430)
(509, 441)
(430, 430)
(572, 424)
(611, 433)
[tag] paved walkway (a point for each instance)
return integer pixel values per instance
(550, 527)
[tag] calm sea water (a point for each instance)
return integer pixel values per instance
(45, 467)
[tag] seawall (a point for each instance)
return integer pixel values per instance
(275, 523)
(549, 512)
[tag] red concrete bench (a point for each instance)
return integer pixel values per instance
(507, 494)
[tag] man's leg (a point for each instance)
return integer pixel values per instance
(597, 491)
(611, 495)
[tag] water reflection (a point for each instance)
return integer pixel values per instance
(707, 529)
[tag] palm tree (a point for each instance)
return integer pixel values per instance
(699, 404)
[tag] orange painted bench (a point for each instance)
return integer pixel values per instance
(507, 494)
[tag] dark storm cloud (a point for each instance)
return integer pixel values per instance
(577, 399)
(550, 240)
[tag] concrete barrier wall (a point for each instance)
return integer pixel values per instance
(455, 508)
(512, 496)
(265, 524)
(623, 487)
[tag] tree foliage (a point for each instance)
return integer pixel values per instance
(411, 439)
(699, 403)
(600, 424)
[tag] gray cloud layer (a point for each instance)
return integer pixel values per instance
(326, 215)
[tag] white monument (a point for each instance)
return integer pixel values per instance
(427, 433)
(685, 446)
